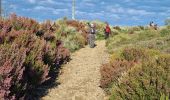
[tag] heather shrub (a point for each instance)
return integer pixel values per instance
(29, 56)
(137, 71)
(14, 26)
(146, 81)
(132, 54)
(47, 30)
(137, 74)
(35, 71)
(24, 23)
(113, 71)
(11, 71)
(120, 63)
(38, 59)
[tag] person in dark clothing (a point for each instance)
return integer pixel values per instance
(91, 36)
(107, 31)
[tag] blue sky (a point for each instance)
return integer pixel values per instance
(116, 12)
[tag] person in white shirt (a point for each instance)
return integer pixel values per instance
(91, 36)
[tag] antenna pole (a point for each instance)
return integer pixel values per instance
(73, 9)
(0, 8)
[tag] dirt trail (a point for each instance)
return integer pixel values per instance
(80, 77)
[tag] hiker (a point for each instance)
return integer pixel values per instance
(107, 31)
(156, 27)
(91, 36)
(153, 25)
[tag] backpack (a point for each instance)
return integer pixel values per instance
(92, 31)
(107, 29)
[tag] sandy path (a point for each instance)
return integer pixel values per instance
(80, 77)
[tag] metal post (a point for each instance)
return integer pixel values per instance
(73, 10)
(0, 8)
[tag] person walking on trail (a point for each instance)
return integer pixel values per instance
(91, 36)
(153, 25)
(107, 31)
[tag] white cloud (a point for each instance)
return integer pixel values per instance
(47, 2)
(83, 13)
(127, 0)
(86, 0)
(50, 1)
(12, 6)
(32, 1)
(138, 12)
(50, 10)
(102, 3)
(135, 18)
(89, 4)
(59, 11)
(128, 11)
(42, 8)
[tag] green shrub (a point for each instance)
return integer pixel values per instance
(100, 36)
(117, 28)
(164, 97)
(141, 27)
(147, 35)
(167, 21)
(117, 40)
(132, 54)
(147, 78)
(74, 42)
(165, 32)
(144, 38)
(168, 27)
(145, 81)
(135, 28)
(100, 26)
(161, 43)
